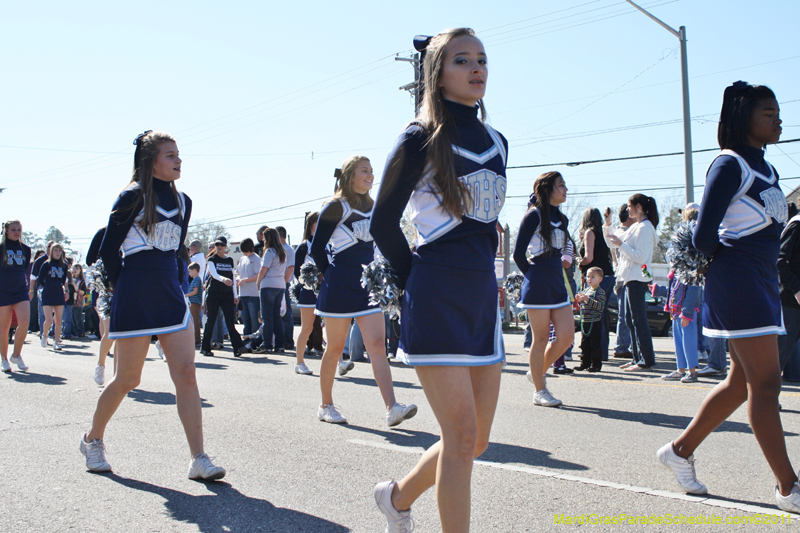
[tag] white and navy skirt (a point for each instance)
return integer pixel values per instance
(741, 297)
(341, 294)
(450, 317)
(307, 299)
(148, 299)
(13, 288)
(544, 286)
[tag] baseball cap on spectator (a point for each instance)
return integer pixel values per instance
(221, 240)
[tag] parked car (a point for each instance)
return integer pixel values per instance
(658, 319)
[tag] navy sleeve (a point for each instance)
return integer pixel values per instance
(526, 230)
(300, 258)
(187, 216)
(404, 169)
(329, 218)
(37, 265)
(723, 180)
(790, 240)
(119, 223)
(94, 248)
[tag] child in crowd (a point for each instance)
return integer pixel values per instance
(195, 296)
(593, 301)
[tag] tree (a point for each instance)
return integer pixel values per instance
(206, 231)
(57, 236)
(670, 218)
(33, 240)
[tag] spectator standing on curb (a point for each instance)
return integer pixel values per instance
(623, 345)
(288, 320)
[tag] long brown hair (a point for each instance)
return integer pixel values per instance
(273, 240)
(542, 188)
(311, 219)
(648, 205)
(6, 224)
(434, 117)
(344, 183)
(148, 145)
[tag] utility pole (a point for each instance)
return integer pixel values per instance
(687, 125)
(413, 87)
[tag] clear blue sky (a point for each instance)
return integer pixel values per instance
(250, 91)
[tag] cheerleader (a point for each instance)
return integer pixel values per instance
(53, 277)
(222, 294)
(15, 271)
(306, 300)
(542, 235)
(343, 230)
(449, 167)
(148, 224)
(740, 223)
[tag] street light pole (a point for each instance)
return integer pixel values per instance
(687, 117)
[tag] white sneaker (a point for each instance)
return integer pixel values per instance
(791, 502)
(160, 351)
(682, 468)
(56, 347)
(400, 412)
(202, 468)
(398, 521)
(328, 413)
(19, 362)
(710, 371)
(95, 453)
(545, 398)
(6, 366)
(345, 367)
(100, 375)
(301, 368)
(43, 340)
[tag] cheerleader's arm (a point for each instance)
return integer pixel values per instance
(526, 230)
(790, 240)
(127, 206)
(94, 247)
(404, 169)
(300, 258)
(329, 218)
(722, 182)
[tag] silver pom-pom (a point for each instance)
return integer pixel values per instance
(688, 264)
(309, 277)
(104, 290)
(513, 287)
(381, 283)
(294, 289)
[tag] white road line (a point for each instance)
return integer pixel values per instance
(704, 500)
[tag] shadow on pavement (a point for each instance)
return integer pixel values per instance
(158, 398)
(230, 510)
(497, 452)
(370, 381)
(29, 377)
(210, 366)
(659, 419)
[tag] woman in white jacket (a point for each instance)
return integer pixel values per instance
(635, 252)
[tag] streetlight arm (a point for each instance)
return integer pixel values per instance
(665, 26)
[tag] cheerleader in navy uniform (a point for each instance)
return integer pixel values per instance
(537, 253)
(53, 277)
(15, 271)
(343, 231)
(306, 300)
(148, 225)
(449, 167)
(740, 223)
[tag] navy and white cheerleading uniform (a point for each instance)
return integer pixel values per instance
(740, 223)
(15, 269)
(142, 268)
(449, 312)
(341, 246)
(52, 277)
(306, 298)
(544, 286)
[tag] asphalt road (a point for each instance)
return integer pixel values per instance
(594, 457)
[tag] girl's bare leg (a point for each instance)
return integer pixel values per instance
(373, 331)
(307, 317)
(336, 330)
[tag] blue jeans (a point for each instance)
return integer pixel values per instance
(288, 320)
(41, 311)
(271, 316)
(355, 343)
(77, 321)
(250, 305)
(685, 344)
(66, 322)
(702, 344)
(717, 356)
(623, 333)
(607, 284)
(636, 318)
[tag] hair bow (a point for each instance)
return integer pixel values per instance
(421, 42)
(139, 137)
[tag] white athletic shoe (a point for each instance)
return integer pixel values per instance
(530, 378)
(301, 368)
(791, 502)
(397, 521)
(19, 362)
(6, 367)
(329, 414)
(203, 469)
(43, 340)
(95, 453)
(345, 367)
(160, 351)
(56, 347)
(545, 398)
(100, 375)
(400, 412)
(683, 469)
